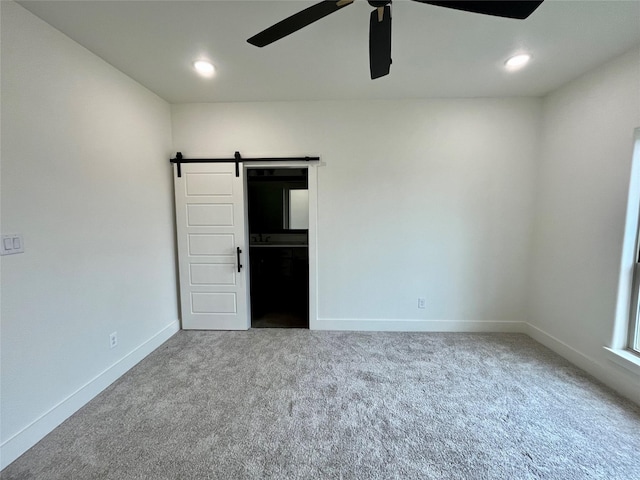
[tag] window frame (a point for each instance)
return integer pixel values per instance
(633, 340)
(624, 348)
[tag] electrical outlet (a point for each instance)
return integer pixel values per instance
(113, 340)
(422, 302)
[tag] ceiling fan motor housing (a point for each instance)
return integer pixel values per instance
(379, 3)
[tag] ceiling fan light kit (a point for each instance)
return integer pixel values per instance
(380, 23)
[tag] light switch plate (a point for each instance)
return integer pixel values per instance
(11, 244)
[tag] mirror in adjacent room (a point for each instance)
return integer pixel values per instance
(278, 200)
(296, 209)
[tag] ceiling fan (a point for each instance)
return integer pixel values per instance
(380, 23)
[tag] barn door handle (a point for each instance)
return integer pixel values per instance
(238, 252)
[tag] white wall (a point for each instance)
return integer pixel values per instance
(584, 172)
(85, 179)
(416, 198)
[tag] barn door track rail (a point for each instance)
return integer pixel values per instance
(237, 159)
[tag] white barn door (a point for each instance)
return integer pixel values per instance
(211, 237)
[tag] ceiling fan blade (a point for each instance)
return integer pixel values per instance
(499, 8)
(380, 42)
(297, 21)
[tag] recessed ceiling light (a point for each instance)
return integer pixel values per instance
(204, 68)
(518, 61)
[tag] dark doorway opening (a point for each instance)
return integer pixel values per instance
(278, 207)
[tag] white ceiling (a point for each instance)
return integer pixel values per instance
(437, 52)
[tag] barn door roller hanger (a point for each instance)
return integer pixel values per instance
(237, 159)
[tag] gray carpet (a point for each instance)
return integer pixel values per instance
(297, 404)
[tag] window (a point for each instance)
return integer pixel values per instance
(624, 348)
(634, 326)
(634, 310)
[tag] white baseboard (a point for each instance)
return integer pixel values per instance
(19, 443)
(410, 325)
(609, 373)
